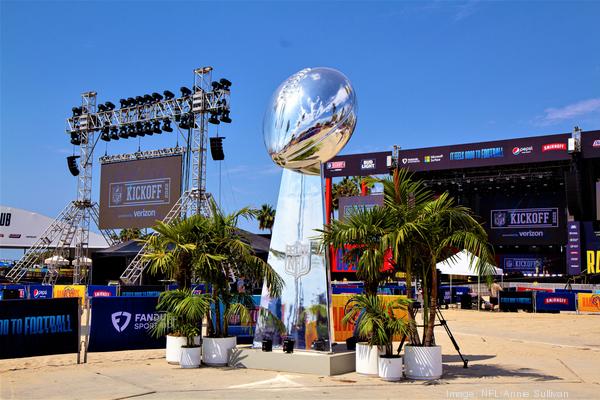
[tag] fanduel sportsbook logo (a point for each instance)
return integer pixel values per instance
(120, 320)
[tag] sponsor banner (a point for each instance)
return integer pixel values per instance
(351, 204)
(36, 327)
(22, 290)
(135, 194)
(338, 304)
(533, 289)
(555, 302)
(587, 302)
(590, 144)
(524, 218)
(101, 291)
(522, 264)
(342, 263)
(474, 155)
(142, 291)
(69, 291)
(573, 248)
(40, 291)
(591, 235)
(358, 164)
(528, 219)
(120, 323)
(513, 301)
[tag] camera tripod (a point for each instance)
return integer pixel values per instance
(444, 323)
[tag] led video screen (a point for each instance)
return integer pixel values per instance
(135, 194)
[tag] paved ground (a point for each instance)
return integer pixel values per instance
(534, 356)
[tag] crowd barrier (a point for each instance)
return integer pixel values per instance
(37, 327)
(555, 302)
(514, 301)
(123, 323)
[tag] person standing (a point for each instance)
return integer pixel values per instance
(495, 290)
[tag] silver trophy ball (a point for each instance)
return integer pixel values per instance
(310, 118)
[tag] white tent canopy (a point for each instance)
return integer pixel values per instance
(56, 260)
(463, 263)
(82, 261)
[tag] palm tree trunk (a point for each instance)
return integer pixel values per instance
(432, 305)
(413, 335)
(217, 327)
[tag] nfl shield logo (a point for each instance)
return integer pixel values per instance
(499, 219)
(297, 259)
(117, 194)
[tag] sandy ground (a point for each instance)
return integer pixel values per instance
(512, 355)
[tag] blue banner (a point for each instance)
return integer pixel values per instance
(513, 301)
(39, 327)
(101, 291)
(122, 323)
(22, 289)
(142, 291)
(40, 291)
(555, 302)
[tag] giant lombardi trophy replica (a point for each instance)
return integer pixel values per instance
(310, 118)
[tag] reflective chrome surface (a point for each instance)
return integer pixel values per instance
(310, 118)
(297, 257)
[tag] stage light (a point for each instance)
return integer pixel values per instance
(168, 94)
(123, 132)
(148, 99)
(124, 103)
(131, 101)
(185, 91)
(167, 125)
(213, 119)
(157, 96)
(139, 129)
(216, 148)
(72, 164)
(215, 85)
(225, 83)
(76, 111)
(105, 134)
(225, 117)
(156, 127)
(184, 123)
(148, 130)
(131, 131)
(113, 134)
(75, 138)
(101, 108)
(109, 106)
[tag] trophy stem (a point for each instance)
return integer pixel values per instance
(295, 254)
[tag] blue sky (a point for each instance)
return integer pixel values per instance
(425, 73)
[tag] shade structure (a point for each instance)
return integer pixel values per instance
(56, 260)
(82, 261)
(463, 263)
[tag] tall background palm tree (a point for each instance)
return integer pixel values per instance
(266, 217)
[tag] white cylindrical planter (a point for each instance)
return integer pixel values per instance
(190, 357)
(367, 358)
(174, 344)
(215, 351)
(390, 368)
(423, 362)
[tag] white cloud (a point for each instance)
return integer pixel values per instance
(570, 111)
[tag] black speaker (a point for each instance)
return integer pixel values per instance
(573, 186)
(216, 148)
(72, 164)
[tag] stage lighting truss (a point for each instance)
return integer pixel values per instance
(142, 155)
(155, 109)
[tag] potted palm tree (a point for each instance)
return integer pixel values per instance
(183, 313)
(380, 322)
(221, 255)
(363, 230)
(426, 230)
